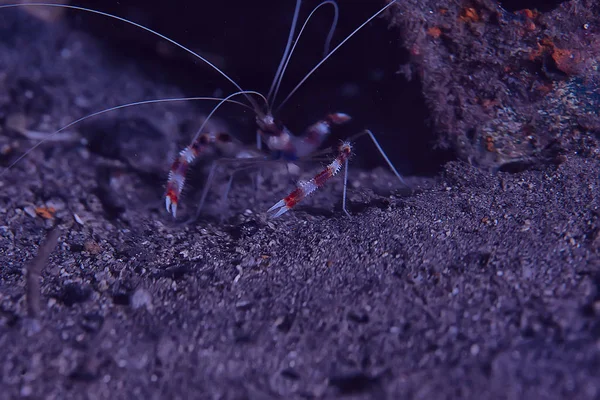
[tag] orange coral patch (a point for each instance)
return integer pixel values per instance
(469, 14)
(45, 212)
(434, 32)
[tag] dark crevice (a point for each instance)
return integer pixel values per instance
(361, 79)
(540, 5)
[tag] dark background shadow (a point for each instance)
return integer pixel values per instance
(246, 39)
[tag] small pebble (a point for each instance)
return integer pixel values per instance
(30, 210)
(141, 298)
(78, 219)
(26, 391)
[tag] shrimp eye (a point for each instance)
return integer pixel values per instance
(279, 125)
(204, 139)
(223, 137)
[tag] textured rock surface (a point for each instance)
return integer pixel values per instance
(507, 89)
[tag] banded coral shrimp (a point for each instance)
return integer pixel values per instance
(275, 135)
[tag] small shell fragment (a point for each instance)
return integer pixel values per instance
(30, 210)
(78, 219)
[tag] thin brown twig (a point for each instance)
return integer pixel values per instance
(34, 271)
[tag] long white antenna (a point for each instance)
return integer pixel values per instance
(327, 41)
(332, 52)
(246, 93)
(137, 103)
(286, 51)
(198, 56)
